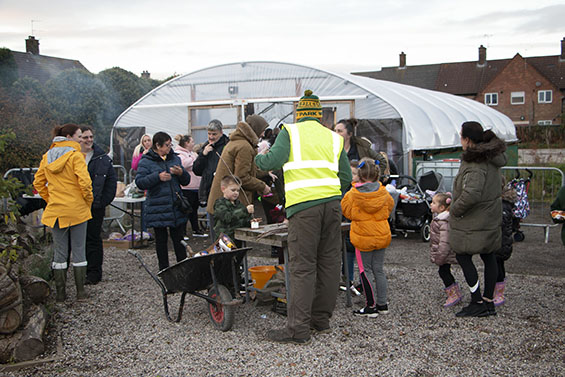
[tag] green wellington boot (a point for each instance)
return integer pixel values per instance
(60, 277)
(80, 277)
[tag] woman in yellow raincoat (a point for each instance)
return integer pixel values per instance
(63, 182)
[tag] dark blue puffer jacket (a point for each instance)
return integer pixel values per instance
(103, 177)
(160, 210)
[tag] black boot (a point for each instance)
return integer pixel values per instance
(474, 309)
(490, 308)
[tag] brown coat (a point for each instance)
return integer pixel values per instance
(364, 149)
(238, 156)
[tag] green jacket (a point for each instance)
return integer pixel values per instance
(228, 216)
(559, 204)
(278, 156)
(476, 211)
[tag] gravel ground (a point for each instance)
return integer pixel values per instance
(122, 330)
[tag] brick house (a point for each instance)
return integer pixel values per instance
(530, 91)
(41, 67)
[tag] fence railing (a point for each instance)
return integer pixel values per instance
(543, 185)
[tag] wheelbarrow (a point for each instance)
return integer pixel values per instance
(216, 273)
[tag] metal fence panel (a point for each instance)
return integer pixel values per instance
(543, 185)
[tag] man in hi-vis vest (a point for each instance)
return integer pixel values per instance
(316, 171)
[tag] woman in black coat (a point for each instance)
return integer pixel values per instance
(160, 172)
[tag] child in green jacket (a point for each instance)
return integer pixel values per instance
(229, 212)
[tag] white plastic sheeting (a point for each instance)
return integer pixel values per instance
(430, 120)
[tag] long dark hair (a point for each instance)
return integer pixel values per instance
(474, 132)
(349, 124)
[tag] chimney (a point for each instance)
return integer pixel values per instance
(482, 55)
(145, 75)
(32, 45)
(402, 60)
(563, 49)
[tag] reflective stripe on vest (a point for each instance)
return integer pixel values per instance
(313, 163)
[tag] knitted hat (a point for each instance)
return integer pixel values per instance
(257, 123)
(309, 106)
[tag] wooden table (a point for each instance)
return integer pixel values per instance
(280, 239)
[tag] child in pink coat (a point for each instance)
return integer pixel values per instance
(440, 251)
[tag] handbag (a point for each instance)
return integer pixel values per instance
(183, 204)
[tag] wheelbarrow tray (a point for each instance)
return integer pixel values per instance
(194, 274)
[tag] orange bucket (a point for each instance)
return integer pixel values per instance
(262, 274)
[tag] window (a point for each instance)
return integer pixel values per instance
(491, 99)
(544, 123)
(517, 98)
(545, 96)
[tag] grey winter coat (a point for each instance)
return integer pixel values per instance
(476, 210)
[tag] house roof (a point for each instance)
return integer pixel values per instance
(465, 78)
(422, 76)
(41, 67)
(552, 67)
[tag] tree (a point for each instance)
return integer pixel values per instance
(77, 96)
(25, 112)
(124, 89)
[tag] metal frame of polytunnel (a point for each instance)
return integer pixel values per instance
(428, 119)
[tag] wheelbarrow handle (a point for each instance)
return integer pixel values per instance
(162, 286)
(140, 259)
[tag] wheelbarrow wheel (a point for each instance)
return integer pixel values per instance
(222, 316)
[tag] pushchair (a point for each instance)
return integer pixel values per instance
(413, 213)
(522, 205)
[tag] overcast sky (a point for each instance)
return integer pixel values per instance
(177, 37)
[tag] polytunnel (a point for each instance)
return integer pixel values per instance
(398, 119)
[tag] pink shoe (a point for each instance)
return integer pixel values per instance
(453, 295)
(499, 298)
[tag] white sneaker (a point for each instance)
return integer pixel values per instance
(354, 290)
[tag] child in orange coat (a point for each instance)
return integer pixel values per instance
(368, 205)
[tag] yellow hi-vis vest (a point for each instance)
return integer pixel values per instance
(313, 163)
